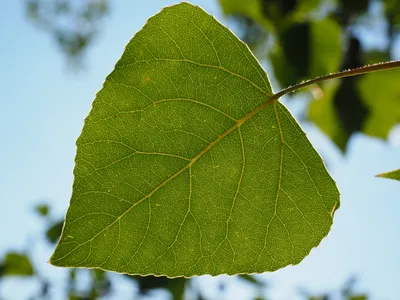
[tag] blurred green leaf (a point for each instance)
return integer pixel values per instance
(304, 50)
(42, 209)
(359, 297)
(376, 56)
(392, 10)
(354, 7)
(381, 94)
(54, 231)
(273, 15)
(322, 112)
(369, 104)
(347, 106)
(148, 283)
(16, 264)
(73, 24)
(326, 47)
(252, 280)
(391, 175)
(100, 284)
(177, 287)
(249, 8)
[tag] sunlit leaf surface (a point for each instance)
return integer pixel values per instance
(185, 166)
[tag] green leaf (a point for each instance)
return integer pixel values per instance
(16, 264)
(249, 8)
(304, 49)
(176, 287)
(187, 166)
(380, 92)
(354, 7)
(322, 112)
(252, 280)
(273, 15)
(391, 175)
(42, 209)
(146, 284)
(359, 297)
(373, 110)
(54, 231)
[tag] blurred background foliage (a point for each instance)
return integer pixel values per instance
(72, 24)
(295, 40)
(303, 39)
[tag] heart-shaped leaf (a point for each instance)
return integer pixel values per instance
(188, 165)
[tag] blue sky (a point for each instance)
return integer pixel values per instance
(43, 106)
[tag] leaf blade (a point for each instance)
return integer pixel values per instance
(163, 184)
